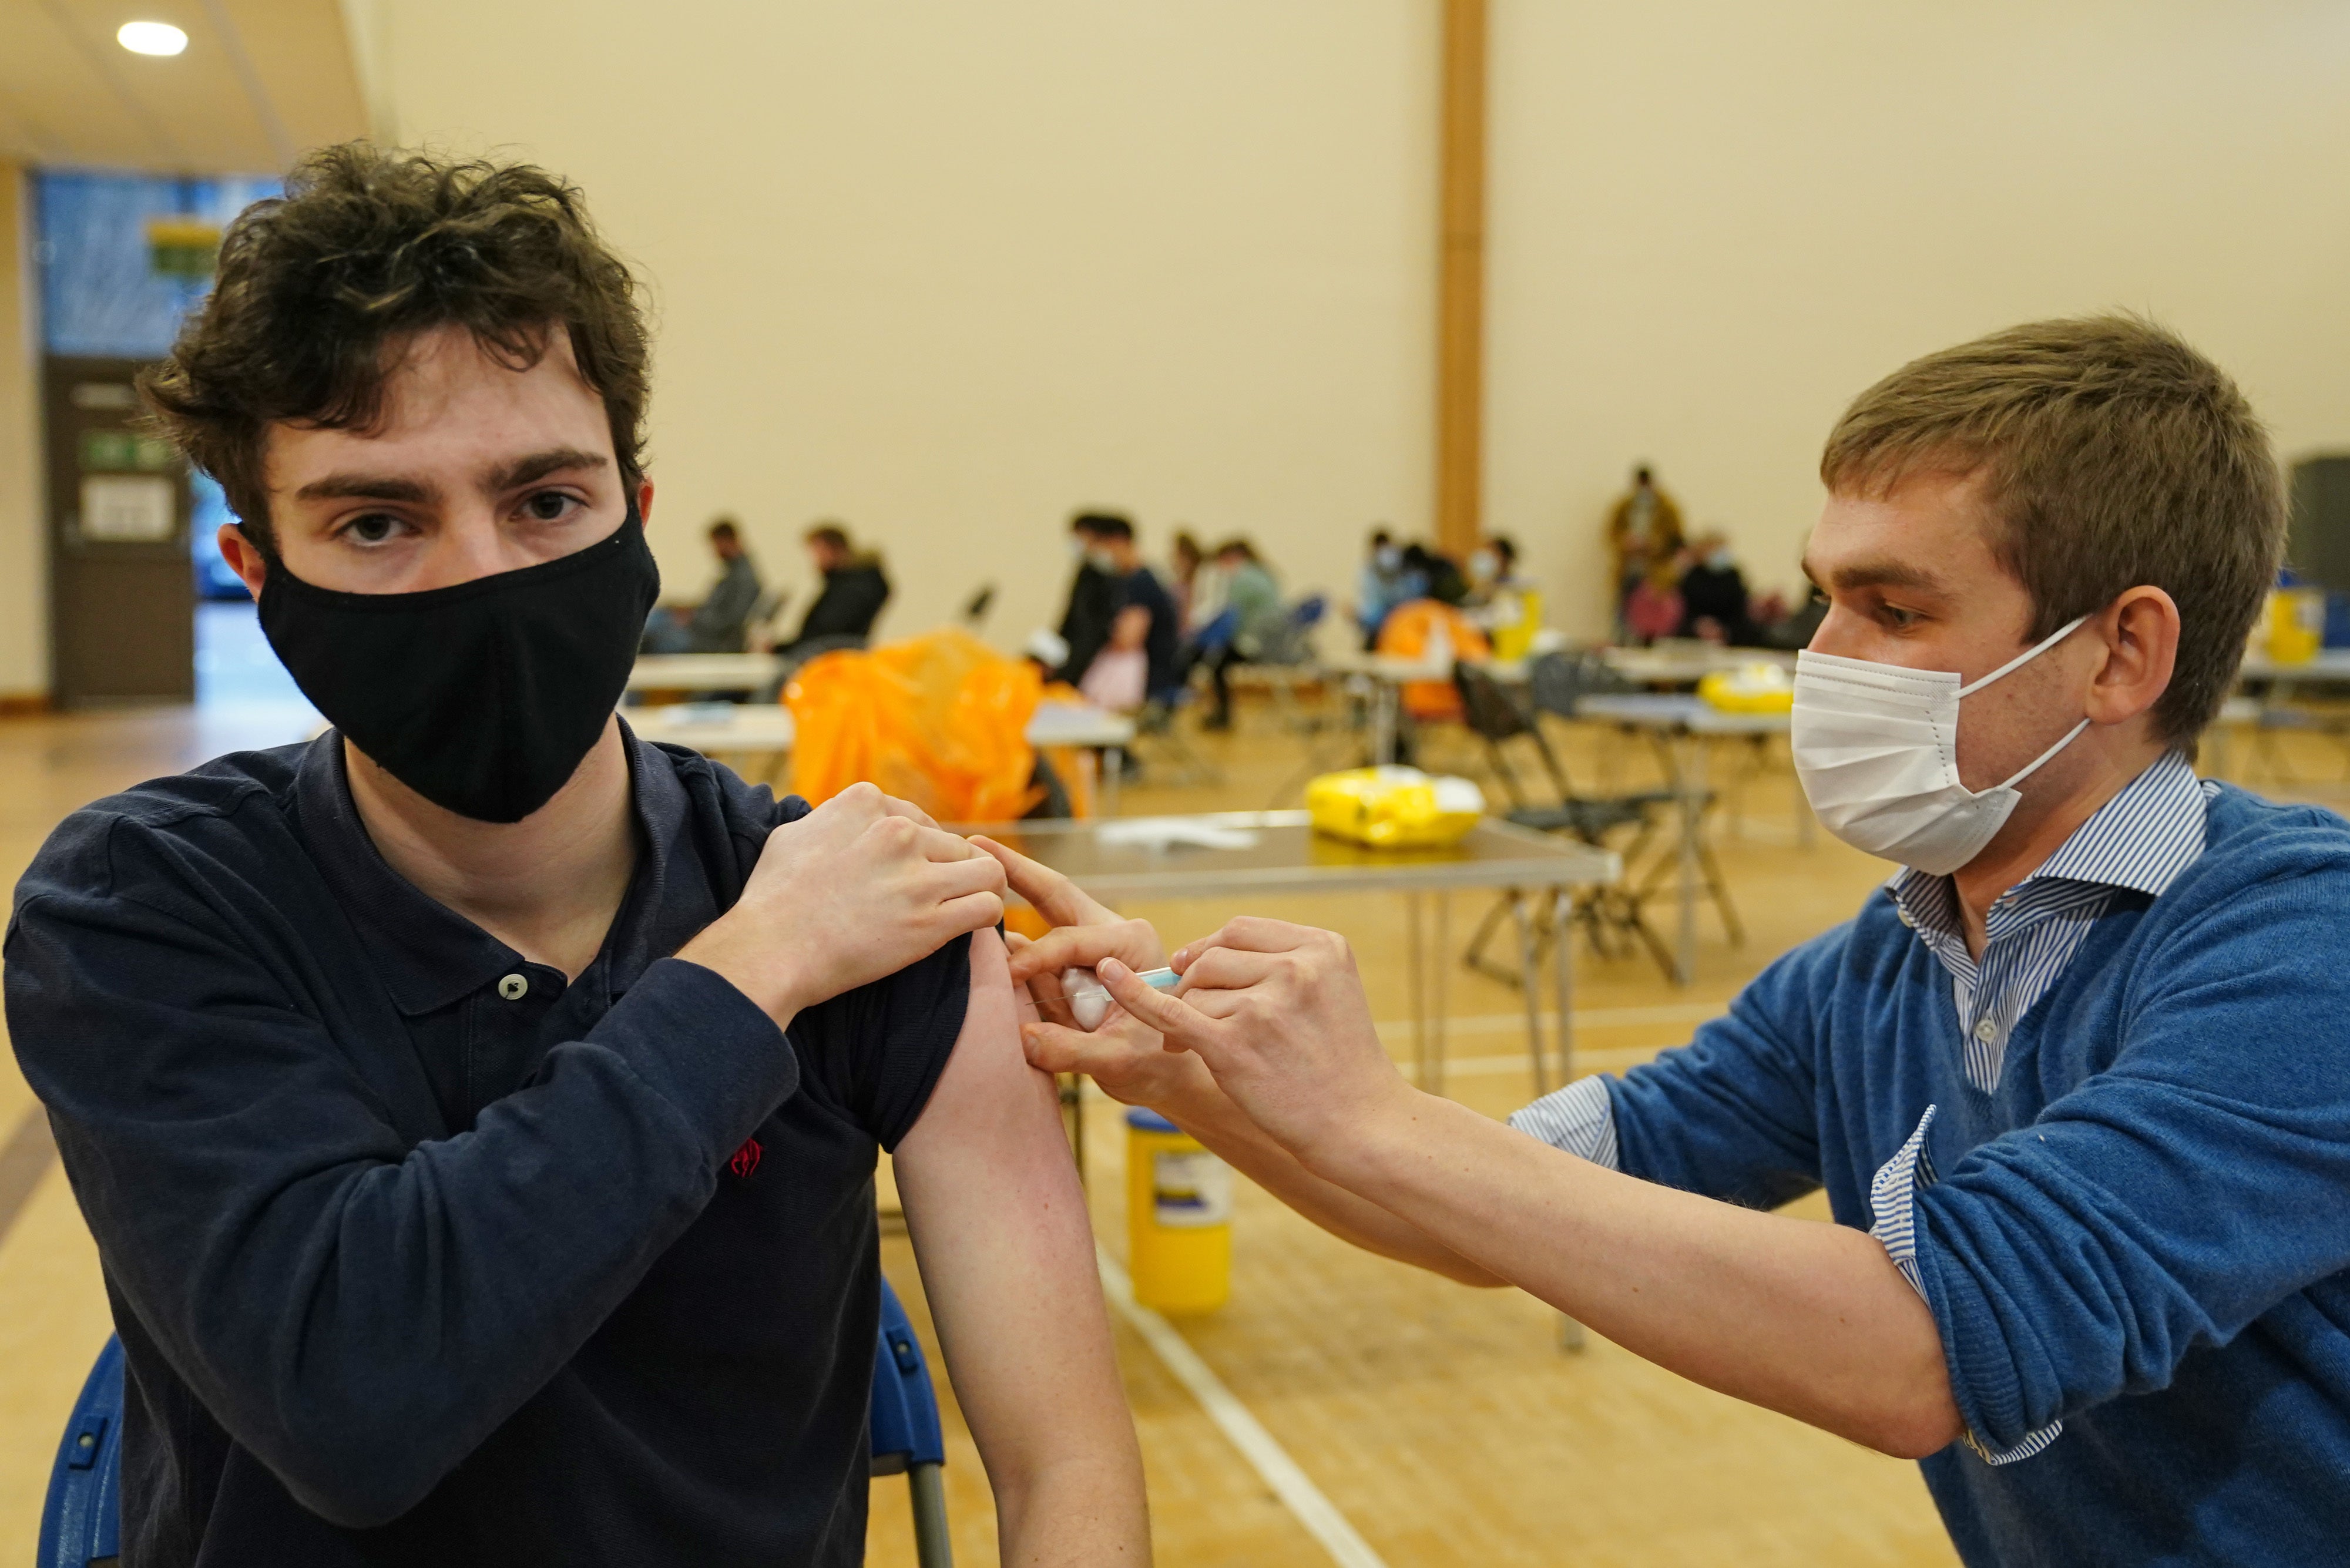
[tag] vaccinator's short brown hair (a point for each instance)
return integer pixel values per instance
(2115, 456)
(319, 290)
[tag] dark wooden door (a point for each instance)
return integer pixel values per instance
(122, 587)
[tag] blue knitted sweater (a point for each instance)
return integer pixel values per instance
(2143, 1233)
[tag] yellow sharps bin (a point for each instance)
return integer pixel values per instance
(1179, 1218)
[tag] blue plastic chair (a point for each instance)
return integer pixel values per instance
(81, 1523)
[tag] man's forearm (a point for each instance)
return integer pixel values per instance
(1807, 1319)
(1201, 1109)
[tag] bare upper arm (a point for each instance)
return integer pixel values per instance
(1000, 1234)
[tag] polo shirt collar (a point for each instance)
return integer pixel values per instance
(2140, 841)
(428, 955)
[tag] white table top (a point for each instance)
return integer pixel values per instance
(1283, 853)
(728, 727)
(1695, 715)
(2331, 664)
(1689, 664)
(703, 671)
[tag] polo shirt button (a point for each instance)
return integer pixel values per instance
(514, 987)
(1986, 1030)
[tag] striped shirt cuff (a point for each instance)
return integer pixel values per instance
(1892, 1202)
(1579, 1118)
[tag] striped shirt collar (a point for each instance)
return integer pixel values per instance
(2141, 840)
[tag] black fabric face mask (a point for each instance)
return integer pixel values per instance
(482, 697)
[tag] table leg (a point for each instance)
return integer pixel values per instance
(1688, 768)
(1531, 991)
(1113, 770)
(1570, 1333)
(1386, 700)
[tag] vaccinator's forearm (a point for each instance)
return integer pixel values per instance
(1807, 1319)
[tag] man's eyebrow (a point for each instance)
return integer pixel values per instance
(367, 487)
(530, 470)
(1875, 571)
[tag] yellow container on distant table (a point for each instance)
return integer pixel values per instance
(2296, 624)
(1179, 1218)
(1395, 808)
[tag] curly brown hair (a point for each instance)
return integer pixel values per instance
(318, 291)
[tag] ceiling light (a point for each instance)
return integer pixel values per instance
(152, 38)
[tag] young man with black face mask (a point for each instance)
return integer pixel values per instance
(476, 1108)
(2072, 1080)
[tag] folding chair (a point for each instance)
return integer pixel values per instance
(1625, 824)
(81, 1521)
(906, 1437)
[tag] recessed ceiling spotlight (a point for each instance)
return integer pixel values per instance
(150, 39)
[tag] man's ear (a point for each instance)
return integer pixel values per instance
(243, 558)
(2141, 638)
(644, 499)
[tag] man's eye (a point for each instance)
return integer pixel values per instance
(1902, 619)
(373, 528)
(549, 507)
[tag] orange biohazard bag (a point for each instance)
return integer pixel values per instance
(1409, 632)
(941, 720)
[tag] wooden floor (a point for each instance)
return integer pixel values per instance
(1444, 1423)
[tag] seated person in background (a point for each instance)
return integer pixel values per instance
(1191, 579)
(1654, 608)
(1251, 619)
(1438, 575)
(1094, 596)
(1111, 551)
(1119, 677)
(1505, 607)
(477, 1107)
(1713, 594)
(854, 590)
(1386, 582)
(719, 623)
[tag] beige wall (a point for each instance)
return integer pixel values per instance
(23, 563)
(1713, 223)
(949, 272)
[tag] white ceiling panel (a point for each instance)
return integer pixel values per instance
(260, 80)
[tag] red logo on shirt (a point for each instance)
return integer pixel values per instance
(746, 1158)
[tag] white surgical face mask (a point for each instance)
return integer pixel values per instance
(1877, 746)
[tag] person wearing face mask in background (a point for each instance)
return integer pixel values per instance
(2072, 1080)
(1385, 582)
(476, 1108)
(1096, 595)
(1506, 606)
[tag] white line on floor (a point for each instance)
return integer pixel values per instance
(1317, 1513)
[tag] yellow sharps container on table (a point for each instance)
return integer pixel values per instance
(1179, 1218)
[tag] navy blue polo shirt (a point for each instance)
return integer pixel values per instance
(421, 1254)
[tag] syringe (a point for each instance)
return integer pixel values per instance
(1089, 1000)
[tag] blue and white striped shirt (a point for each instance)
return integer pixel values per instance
(2140, 840)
